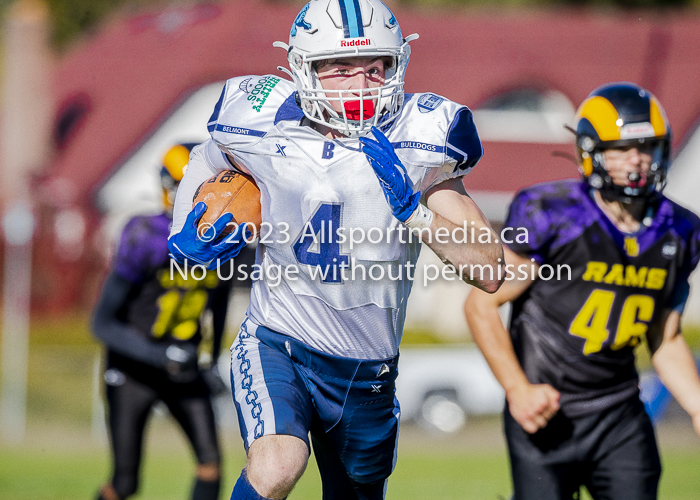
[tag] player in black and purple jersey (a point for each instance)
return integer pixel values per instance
(597, 265)
(148, 317)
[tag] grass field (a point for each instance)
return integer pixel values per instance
(62, 463)
(63, 458)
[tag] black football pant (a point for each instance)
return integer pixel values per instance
(612, 453)
(131, 398)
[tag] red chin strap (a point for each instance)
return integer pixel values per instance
(352, 109)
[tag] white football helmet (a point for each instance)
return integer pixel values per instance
(332, 29)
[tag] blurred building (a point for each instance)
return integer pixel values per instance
(144, 81)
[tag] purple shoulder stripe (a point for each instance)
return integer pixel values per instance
(552, 214)
(143, 247)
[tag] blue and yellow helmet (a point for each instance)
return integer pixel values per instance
(622, 114)
(173, 169)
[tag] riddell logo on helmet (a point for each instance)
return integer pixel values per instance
(356, 42)
(637, 130)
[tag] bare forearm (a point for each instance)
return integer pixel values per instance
(495, 344)
(475, 253)
(461, 236)
(676, 367)
(531, 405)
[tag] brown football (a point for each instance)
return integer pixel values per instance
(230, 192)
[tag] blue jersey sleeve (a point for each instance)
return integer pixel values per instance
(463, 143)
(443, 138)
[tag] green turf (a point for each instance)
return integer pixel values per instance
(481, 475)
(58, 462)
(30, 473)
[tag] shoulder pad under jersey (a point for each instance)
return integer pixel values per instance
(247, 109)
(435, 132)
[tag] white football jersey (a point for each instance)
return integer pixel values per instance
(335, 264)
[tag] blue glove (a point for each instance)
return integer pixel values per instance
(392, 175)
(230, 245)
(206, 248)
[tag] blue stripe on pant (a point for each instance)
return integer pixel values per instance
(349, 408)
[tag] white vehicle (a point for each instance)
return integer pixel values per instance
(439, 387)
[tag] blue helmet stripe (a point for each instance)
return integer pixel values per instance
(352, 18)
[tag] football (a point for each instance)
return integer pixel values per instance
(230, 192)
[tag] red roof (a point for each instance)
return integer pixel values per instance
(115, 88)
(135, 71)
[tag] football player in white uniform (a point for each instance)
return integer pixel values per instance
(348, 168)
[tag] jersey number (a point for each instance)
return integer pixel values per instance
(318, 244)
(591, 322)
(178, 313)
